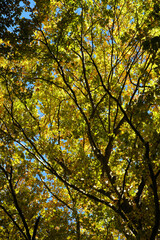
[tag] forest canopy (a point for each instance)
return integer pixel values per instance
(79, 119)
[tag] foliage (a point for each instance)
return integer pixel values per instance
(79, 120)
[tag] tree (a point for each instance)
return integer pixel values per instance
(79, 122)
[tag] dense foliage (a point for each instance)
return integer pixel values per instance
(79, 119)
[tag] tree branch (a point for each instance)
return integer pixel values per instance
(14, 222)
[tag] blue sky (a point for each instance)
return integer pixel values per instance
(26, 14)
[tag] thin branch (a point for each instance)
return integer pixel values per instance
(14, 222)
(83, 65)
(18, 207)
(54, 195)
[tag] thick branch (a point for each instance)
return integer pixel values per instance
(35, 228)
(155, 192)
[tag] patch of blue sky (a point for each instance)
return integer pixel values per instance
(24, 13)
(78, 11)
(54, 74)
(41, 114)
(132, 20)
(109, 7)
